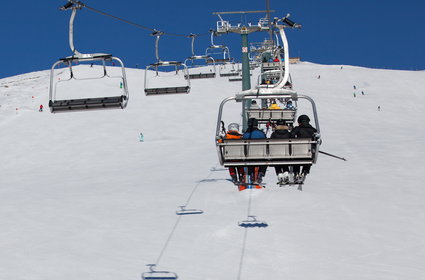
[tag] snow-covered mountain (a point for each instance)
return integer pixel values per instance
(82, 198)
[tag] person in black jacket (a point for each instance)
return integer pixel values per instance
(303, 130)
(281, 132)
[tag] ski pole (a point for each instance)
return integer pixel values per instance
(328, 154)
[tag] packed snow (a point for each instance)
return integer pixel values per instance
(82, 198)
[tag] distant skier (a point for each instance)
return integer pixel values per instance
(354, 87)
(362, 92)
(354, 94)
(318, 77)
(281, 132)
(303, 130)
(379, 108)
(41, 108)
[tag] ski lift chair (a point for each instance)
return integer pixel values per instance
(222, 50)
(85, 103)
(179, 69)
(269, 152)
(153, 274)
(230, 73)
(208, 59)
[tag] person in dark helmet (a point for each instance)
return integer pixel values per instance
(253, 132)
(303, 130)
(281, 132)
(256, 173)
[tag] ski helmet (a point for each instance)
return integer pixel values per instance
(281, 122)
(303, 118)
(233, 126)
(252, 122)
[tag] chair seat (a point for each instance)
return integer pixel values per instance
(87, 104)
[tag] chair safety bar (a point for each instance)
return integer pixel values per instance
(265, 115)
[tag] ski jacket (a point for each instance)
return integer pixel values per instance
(274, 106)
(281, 133)
(233, 134)
(254, 134)
(304, 130)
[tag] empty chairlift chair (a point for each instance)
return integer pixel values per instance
(154, 82)
(194, 71)
(74, 80)
(221, 53)
(229, 70)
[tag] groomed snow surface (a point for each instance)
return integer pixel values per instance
(82, 198)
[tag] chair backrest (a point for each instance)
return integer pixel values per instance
(267, 149)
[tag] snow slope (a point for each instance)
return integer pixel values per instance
(82, 198)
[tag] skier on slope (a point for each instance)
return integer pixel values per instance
(303, 130)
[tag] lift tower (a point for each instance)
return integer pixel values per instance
(224, 27)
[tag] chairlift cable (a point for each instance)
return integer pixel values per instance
(196, 187)
(127, 21)
(245, 238)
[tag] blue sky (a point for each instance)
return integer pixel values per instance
(371, 33)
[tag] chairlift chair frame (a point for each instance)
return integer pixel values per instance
(224, 50)
(72, 105)
(257, 152)
(206, 58)
(277, 69)
(179, 66)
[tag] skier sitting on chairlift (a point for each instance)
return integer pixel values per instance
(281, 132)
(303, 130)
(256, 173)
(236, 173)
(289, 105)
